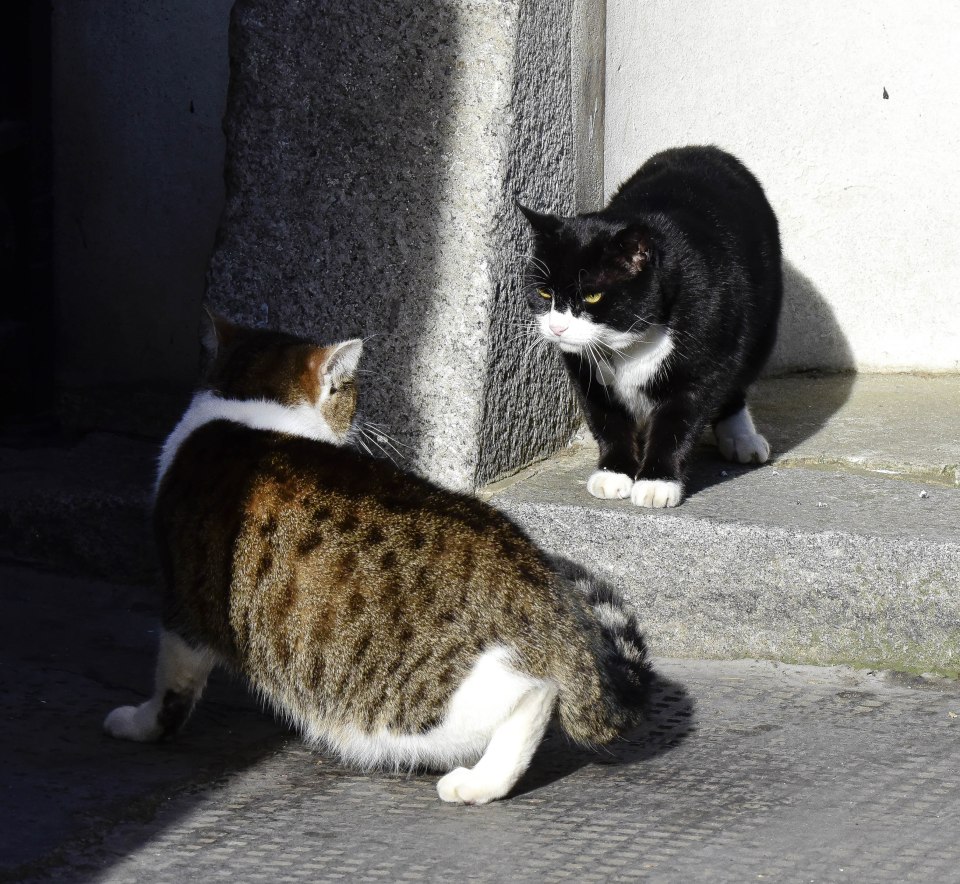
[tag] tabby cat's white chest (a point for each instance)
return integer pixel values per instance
(627, 373)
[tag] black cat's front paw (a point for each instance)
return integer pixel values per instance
(608, 485)
(657, 493)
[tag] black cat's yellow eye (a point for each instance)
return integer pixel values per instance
(544, 294)
(593, 298)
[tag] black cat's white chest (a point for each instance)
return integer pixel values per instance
(627, 374)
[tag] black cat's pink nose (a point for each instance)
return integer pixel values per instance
(558, 326)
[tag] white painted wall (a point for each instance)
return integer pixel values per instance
(867, 189)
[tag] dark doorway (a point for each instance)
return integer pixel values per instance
(27, 336)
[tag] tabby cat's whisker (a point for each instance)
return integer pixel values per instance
(389, 440)
(373, 439)
(381, 431)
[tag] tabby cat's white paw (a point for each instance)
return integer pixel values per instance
(746, 448)
(656, 492)
(465, 786)
(132, 723)
(607, 485)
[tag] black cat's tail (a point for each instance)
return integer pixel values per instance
(619, 658)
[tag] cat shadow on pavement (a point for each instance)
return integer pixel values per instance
(668, 721)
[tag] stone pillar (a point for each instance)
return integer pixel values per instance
(374, 153)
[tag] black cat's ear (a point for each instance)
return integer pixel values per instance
(630, 250)
(215, 332)
(339, 361)
(545, 225)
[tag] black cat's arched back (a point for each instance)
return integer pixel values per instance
(665, 305)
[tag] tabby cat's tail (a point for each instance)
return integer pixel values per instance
(594, 707)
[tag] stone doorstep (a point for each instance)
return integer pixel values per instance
(845, 549)
(80, 508)
(896, 425)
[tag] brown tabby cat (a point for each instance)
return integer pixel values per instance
(397, 623)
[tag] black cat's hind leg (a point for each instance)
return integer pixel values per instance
(737, 437)
(182, 672)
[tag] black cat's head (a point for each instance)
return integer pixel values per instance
(591, 282)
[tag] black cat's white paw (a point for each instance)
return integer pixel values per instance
(747, 448)
(739, 441)
(656, 493)
(610, 486)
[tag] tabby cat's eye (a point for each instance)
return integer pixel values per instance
(544, 294)
(593, 298)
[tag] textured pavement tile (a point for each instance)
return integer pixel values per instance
(742, 771)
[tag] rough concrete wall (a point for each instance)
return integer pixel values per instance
(527, 406)
(138, 94)
(866, 187)
(373, 154)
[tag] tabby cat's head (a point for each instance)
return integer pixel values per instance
(591, 283)
(257, 364)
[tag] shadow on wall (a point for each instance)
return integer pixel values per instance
(810, 341)
(789, 407)
(810, 338)
(337, 121)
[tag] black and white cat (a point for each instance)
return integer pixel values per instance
(665, 306)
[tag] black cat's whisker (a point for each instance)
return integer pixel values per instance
(539, 263)
(640, 320)
(593, 365)
(598, 355)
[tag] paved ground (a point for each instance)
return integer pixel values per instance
(744, 771)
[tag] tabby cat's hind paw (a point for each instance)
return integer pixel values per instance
(133, 723)
(608, 485)
(467, 786)
(747, 448)
(656, 492)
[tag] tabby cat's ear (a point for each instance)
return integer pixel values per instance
(543, 224)
(630, 250)
(215, 332)
(340, 361)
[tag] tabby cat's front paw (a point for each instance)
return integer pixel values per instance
(746, 448)
(656, 492)
(607, 485)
